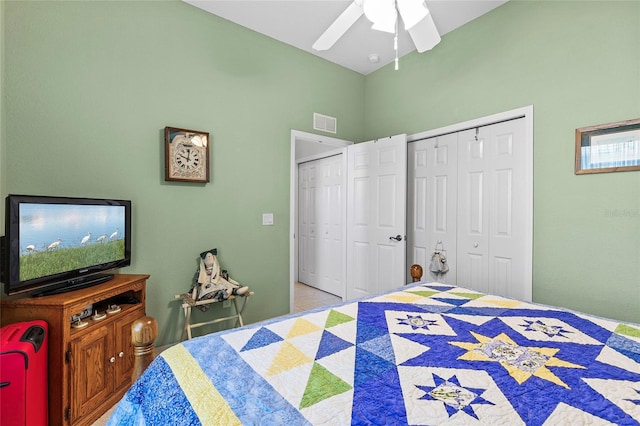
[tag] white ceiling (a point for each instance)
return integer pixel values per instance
(299, 23)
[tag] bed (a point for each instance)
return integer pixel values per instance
(426, 353)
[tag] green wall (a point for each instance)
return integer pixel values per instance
(89, 88)
(578, 64)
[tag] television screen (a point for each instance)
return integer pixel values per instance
(60, 240)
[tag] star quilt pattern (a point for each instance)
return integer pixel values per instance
(425, 354)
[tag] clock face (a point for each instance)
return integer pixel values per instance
(187, 162)
(186, 157)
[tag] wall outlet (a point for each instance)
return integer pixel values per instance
(226, 304)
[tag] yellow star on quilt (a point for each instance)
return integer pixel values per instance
(520, 362)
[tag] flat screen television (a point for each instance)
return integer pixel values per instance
(57, 244)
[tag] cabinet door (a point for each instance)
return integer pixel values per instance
(123, 350)
(91, 370)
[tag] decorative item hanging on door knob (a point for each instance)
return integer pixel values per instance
(439, 264)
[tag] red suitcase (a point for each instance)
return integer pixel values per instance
(23, 374)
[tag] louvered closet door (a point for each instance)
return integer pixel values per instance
(432, 200)
(491, 210)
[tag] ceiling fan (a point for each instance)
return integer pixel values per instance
(384, 16)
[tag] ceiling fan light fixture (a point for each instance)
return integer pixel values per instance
(412, 12)
(382, 13)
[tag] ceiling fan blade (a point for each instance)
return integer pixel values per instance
(339, 27)
(412, 12)
(424, 34)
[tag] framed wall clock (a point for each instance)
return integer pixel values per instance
(186, 155)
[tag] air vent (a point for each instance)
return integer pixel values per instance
(324, 123)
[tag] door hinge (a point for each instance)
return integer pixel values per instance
(67, 357)
(67, 413)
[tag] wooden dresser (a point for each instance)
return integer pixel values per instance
(90, 367)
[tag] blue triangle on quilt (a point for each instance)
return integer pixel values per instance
(380, 347)
(437, 309)
(456, 302)
(261, 338)
(439, 287)
(367, 332)
(330, 344)
(369, 366)
(490, 312)
(378, 399)
(627, 347)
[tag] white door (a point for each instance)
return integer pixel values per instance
(330, 207)
(376, 215)
(307, 226)
(432, 204)
(492, 213)
(321, 204)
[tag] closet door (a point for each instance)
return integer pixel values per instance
(321, 199)
(376, 215)
(492, 210)
(431, 209)
(330, 207)
(307, 243)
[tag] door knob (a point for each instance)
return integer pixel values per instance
(475, 245)
(397, 238)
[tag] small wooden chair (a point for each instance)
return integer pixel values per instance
(188, 302)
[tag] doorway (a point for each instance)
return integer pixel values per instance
(320, 236)
(316, 146)
(307, 297)
(306, 147)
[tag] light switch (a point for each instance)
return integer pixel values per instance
(267, 218)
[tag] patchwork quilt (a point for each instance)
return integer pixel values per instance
(425, 354)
